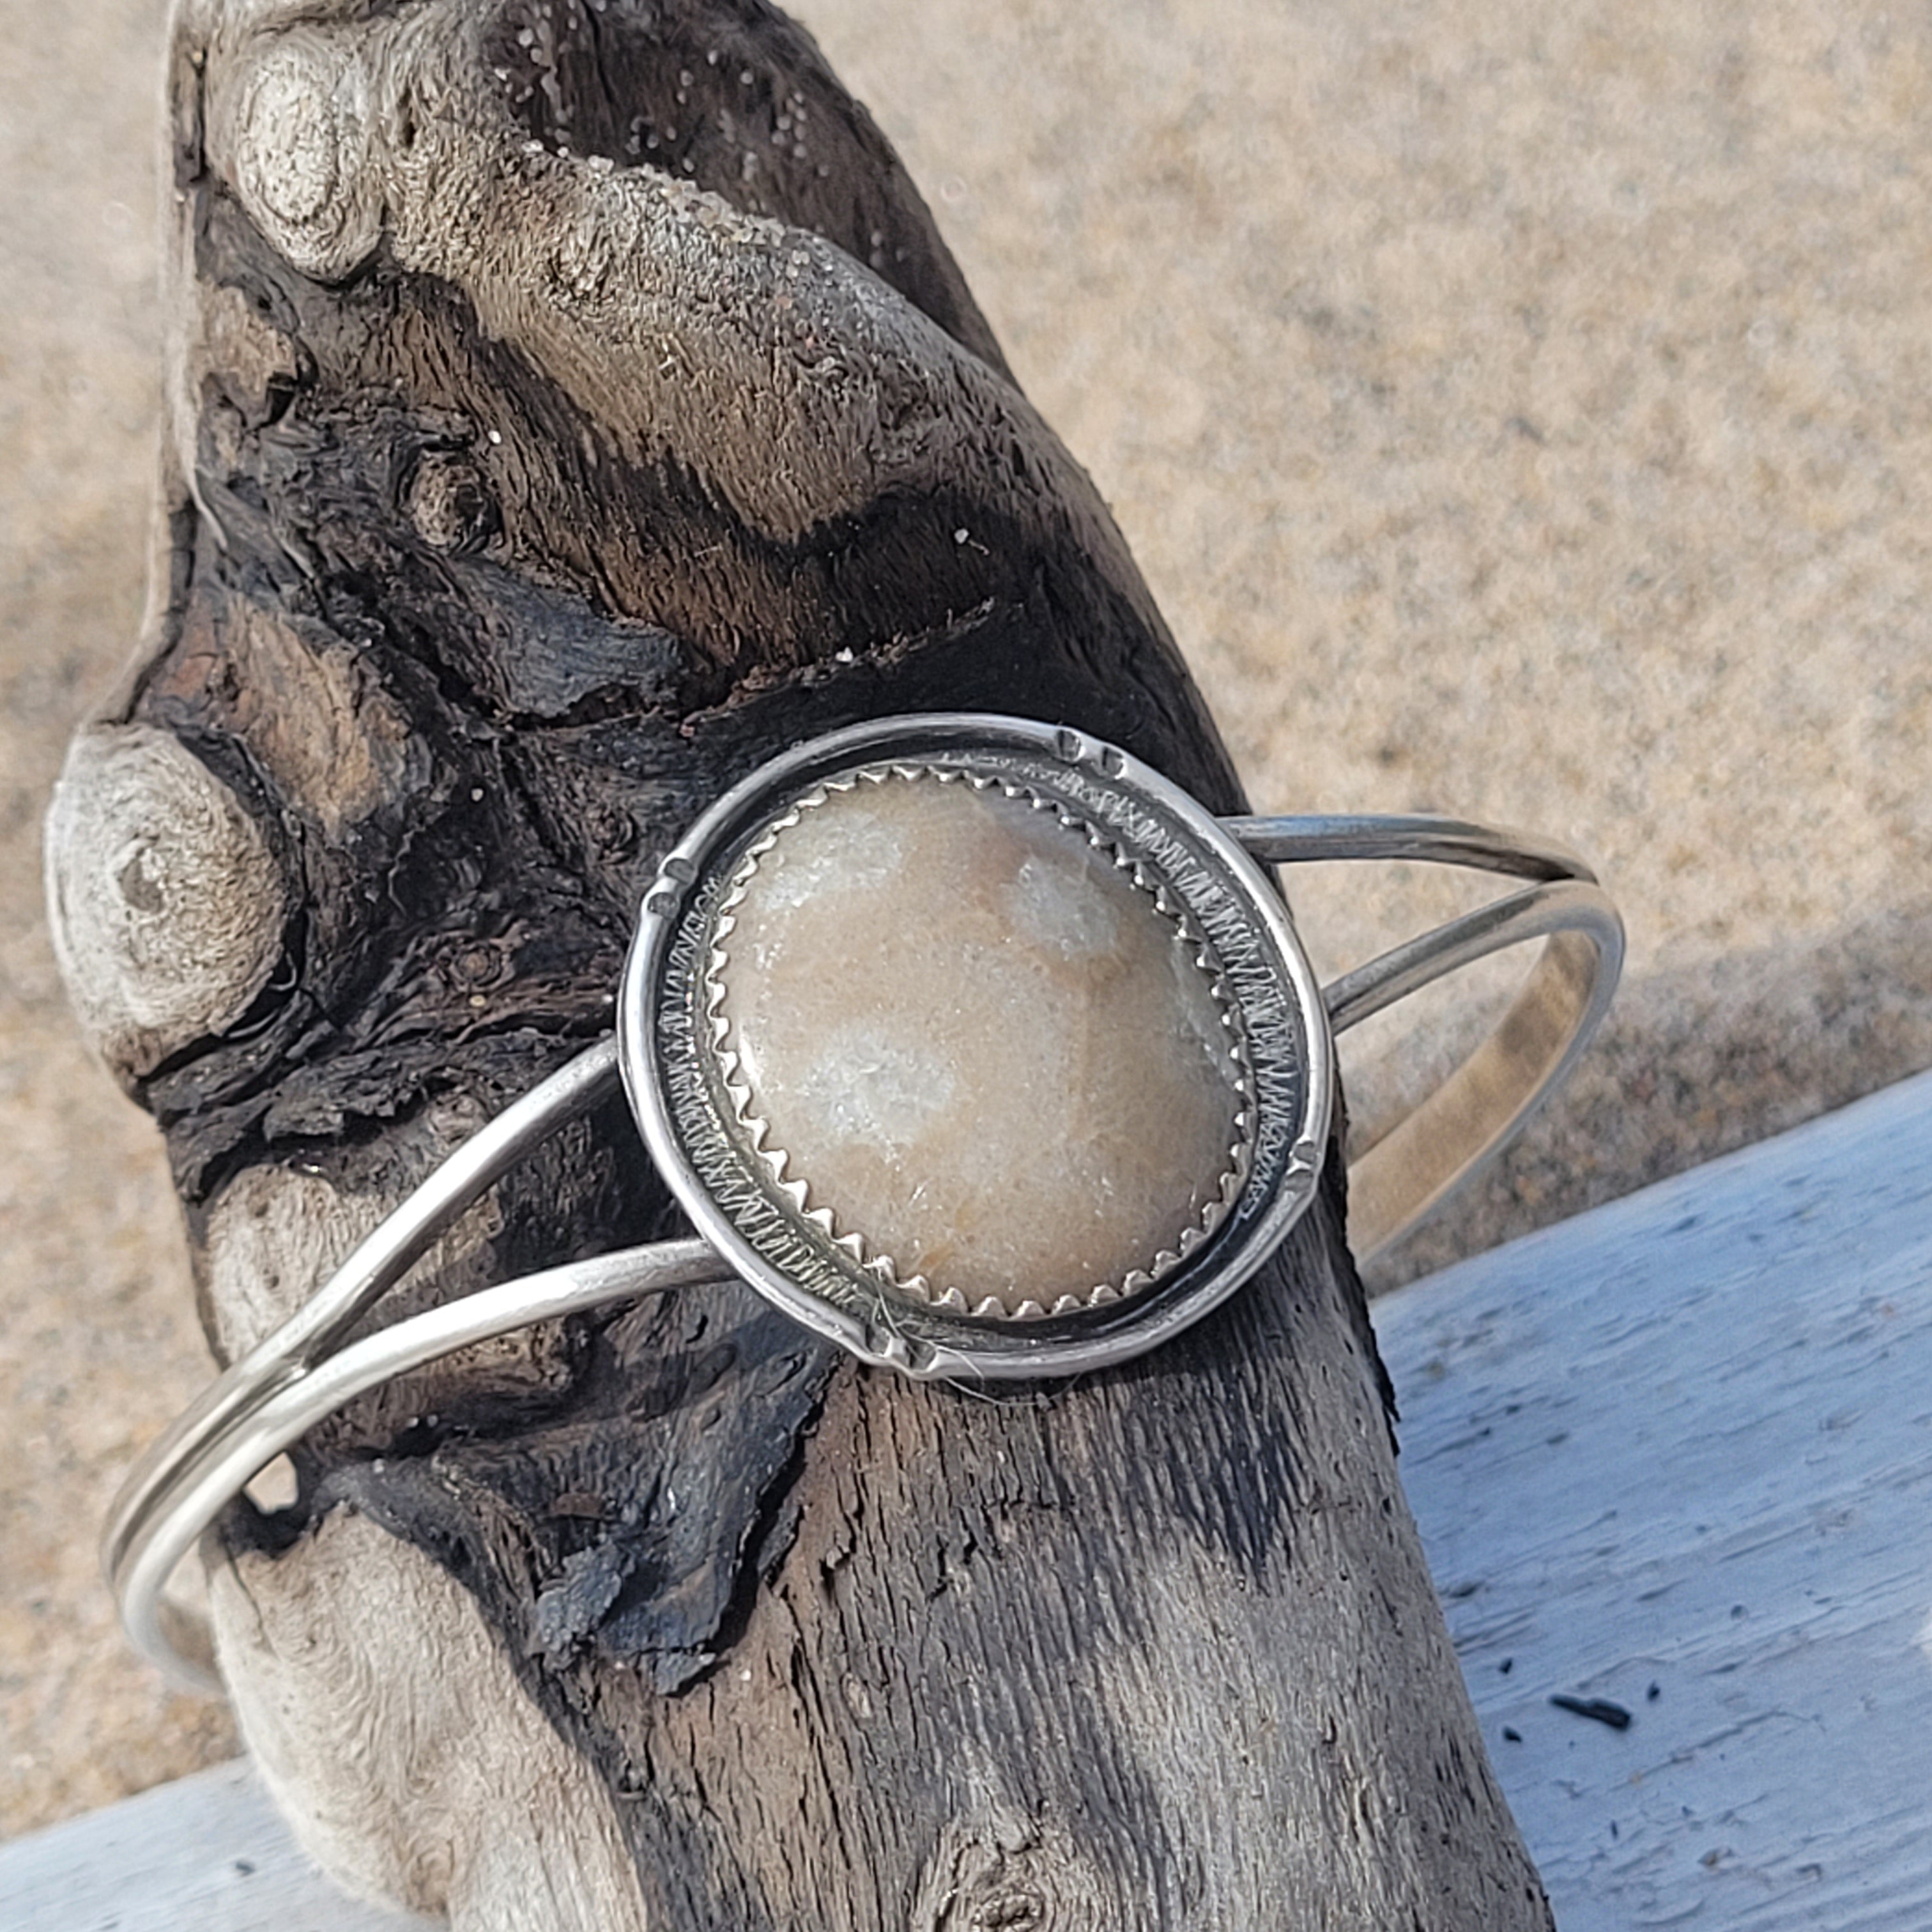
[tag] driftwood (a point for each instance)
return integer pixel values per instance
(569, 406)
(1669, 1454)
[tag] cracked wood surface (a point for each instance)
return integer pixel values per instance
(1677, 1442)
(550, 441)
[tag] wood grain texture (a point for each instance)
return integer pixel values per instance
(1705, 1400)
(526, 485)
(1675, 1454)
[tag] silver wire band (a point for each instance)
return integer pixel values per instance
(1438, 1148)
(1318, 838)
(274, 1395)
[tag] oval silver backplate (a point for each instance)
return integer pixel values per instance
(676, 1087)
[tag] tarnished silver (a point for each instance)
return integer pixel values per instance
(1212, 868)
(678, 1092)
(761, 1158)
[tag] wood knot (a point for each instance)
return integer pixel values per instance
(478, 965)
(449, 503)
(291, 143)
(582, 262)
(1002, 1871)
(1011, 1912)
(167, 903)
(293, 136)
(612, 831)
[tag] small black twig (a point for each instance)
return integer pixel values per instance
(1598, 1710)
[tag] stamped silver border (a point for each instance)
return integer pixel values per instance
(789, 1173)
(687, 1118)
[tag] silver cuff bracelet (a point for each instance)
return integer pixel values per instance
(974, 1045)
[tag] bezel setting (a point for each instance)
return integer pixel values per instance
(792, 1174)
(679, 1069)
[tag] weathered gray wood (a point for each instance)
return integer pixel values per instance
(1707, 1398)
(204, 1854)
(1685, 1441)
(569, 405)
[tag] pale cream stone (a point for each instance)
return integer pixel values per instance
(981, 1045)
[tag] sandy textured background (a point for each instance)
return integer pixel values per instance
(1521, 410)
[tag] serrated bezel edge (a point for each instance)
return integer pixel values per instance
(778, 1161)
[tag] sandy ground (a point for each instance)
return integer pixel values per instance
(1519, 410)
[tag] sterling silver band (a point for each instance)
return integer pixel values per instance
(265, 1402)
(1446, 1141)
